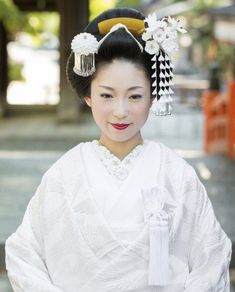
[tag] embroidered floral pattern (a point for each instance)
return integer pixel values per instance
(117, 168)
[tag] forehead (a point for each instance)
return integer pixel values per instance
(121, 73)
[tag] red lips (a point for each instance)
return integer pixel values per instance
(120, 126)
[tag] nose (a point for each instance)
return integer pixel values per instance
(120, 110)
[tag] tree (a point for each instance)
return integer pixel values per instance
(96, 7)
(12, 18)
(129, 3)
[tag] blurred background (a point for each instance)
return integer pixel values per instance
(41, 118)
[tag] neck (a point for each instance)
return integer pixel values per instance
(123, 148)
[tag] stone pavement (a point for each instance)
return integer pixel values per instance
(29, 145)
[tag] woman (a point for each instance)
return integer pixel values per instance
(120, 213)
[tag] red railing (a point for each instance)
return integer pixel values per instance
(219, 123)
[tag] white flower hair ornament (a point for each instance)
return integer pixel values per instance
(161, 37)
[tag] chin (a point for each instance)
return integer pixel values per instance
(121, 138)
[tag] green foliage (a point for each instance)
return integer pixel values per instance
(128, 3)
(11, 16)
(199, 24)
(203, 5)
(225, 57)
(6, 7)
(41, 25)
(15, 71)
(34, 23)
(98, 6)
(39, 22)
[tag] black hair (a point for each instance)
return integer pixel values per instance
(118, 45)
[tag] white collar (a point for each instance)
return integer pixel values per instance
(119, 169)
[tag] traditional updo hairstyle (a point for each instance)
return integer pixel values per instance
(118, 45)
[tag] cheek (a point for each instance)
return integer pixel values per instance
(100, 110)
(142, 110)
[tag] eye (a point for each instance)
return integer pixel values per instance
(106, 95)
(135, 96)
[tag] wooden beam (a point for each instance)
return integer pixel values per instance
(36, 5)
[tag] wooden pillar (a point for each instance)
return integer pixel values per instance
(3, 70)
(73, 18)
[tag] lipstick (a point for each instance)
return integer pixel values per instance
(120, 126)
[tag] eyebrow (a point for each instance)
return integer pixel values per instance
(112, 89)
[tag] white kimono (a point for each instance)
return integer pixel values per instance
(142, 225)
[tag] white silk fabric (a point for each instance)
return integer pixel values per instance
(83, 233)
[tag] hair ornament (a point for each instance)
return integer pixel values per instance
(161, 37)
(162, 107)
(116, 27)
(167, 58)
(161, 83)
(84, 46)
(155, 83)
(154, 58)
(161, 41)
(152, 47)
(135, 26)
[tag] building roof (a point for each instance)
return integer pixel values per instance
(34, 5)
(223, 11)
(162, 9)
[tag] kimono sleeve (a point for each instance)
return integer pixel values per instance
(25, 263)
(209, 246)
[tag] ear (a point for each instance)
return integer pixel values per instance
(88, 100)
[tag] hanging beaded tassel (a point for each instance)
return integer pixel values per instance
(162, 91)
(162, 42)
(84, 65)
(84, 46)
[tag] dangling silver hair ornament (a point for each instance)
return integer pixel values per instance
(85, 46)
(161, 37)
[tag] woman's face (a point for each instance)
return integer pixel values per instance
(120, 100)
